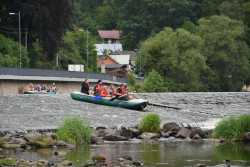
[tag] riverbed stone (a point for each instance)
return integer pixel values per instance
(18, 141)
(32, 136)
(6, 138)
(165, 134)
(10, 146)
(42, 163)
(99, 159)
(111, 137)
(196, 136)
(42, 141)
(247, 136)
(171, 126)
(197, 130)
(96, 140)
(66, 163)
(127, 133)
(135, 132)
(200, 165)
(149, 135)
(183, 133)
(61, 143)
(51, 134)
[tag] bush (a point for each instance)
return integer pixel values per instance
(233, 128)
(7, 161)
(74, 131)
(150, 123)
(154, 82)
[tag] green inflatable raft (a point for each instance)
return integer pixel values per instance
(135, 104)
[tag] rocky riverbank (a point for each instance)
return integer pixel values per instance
(99, 136)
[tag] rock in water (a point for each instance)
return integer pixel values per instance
(196, 136)
(198, 131)
(149, 135)
(247, 136)
(32, 136)
(183, 133)
(171, 126)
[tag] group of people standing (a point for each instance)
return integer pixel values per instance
(43, 88)
(121, 93)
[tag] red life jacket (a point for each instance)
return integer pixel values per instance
(104, 93)
(98, 88)
(122, 92)
(113, 91)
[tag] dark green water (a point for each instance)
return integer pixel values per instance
(149, 152)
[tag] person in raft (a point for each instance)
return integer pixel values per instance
(85, 87)
(98, 88)
(112, 91)
(31, 87)
(38, 88)
(54, 87)
(127, 93)
(104, 92)
(120, 93)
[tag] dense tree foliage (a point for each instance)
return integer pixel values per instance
(9, 53)
(154, 82)
(194, 45)
(177, 56)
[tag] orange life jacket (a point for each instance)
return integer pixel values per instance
(98, 88)
(104, 93)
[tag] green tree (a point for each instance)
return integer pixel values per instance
(226, 51)
(154, 82)
(177, 56)
(9, 53)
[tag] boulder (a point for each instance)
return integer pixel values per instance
(165, 134)
(127, 133)
(247, 136)
(196, 136)
(149, 135)
(51, 134)
(198, 131)
(96, 140)
(98, 159)
(66, 163)
(42, 141)
(136, 163)
(111, 137)
(183, 133)
(171, 126)
(200, 165)
(32, 136)
(6, 138)
(18, 141)
(42, 163)
(61, 143)
(135, 132)
(10, 146)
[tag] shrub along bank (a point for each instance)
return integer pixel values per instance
(233, 128)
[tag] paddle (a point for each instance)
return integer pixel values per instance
(159, 105)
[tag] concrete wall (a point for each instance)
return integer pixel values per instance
(11, 84)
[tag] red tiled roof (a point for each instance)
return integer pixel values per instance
(110, 34)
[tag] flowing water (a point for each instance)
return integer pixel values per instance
(20, 114)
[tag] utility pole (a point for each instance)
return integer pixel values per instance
(26, 38)
(19, 21)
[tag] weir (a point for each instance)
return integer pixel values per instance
(11, 79)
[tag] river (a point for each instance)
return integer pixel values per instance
(26, 112)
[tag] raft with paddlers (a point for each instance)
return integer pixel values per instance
(135, 104)
(36, 92)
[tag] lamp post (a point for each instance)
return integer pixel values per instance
(19, 20)
(87, 46)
